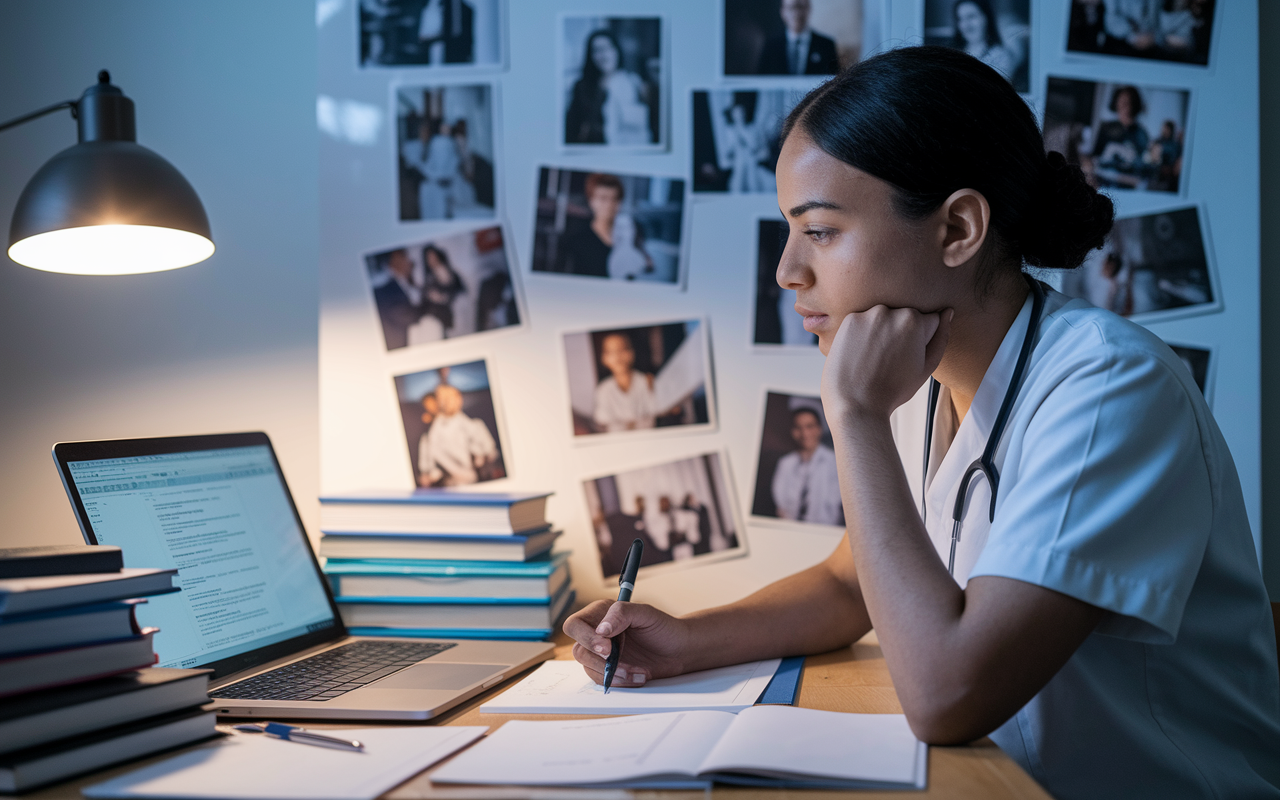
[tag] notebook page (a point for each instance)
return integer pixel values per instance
(783, 741)
(562, 687)
(257, 767)
(589, 752)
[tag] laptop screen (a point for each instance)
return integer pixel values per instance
(224, 520)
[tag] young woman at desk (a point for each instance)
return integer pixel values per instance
(1098, 610)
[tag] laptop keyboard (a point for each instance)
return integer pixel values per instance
(332, 673)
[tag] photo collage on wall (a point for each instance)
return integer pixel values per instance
(453, 274)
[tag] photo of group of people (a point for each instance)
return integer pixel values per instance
(737, 136)
(443, 288)
(1160, 30)
(445, 152)
(796, 470)
(996, 32)
(612, 82)
(682, 510)
(429, 33)
(1152, 266)
(798, 37)
(1123, 136)
(451, 425)
(639, 379)
(611, 226)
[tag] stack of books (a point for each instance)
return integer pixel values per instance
(444, 564)
(77, 688)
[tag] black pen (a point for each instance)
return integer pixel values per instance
(626, 582)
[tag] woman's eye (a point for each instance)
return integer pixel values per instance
(818, 236)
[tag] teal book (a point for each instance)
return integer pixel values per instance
(436, 547)
(408, 580)
(412, 618)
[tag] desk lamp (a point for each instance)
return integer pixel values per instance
(106, 206)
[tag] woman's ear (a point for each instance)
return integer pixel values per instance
(965, 217)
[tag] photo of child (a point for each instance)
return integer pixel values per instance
(450, 425)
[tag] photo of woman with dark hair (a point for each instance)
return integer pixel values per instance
(614, 99)
(440, 287)
(1066, 564)
(996, 32)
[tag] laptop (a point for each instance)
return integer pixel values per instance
(255, 607)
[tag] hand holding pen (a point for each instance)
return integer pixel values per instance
(626, 583)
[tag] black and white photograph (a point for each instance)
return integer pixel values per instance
(609, 226)
(798, 37)
(643, 378)
(737, 138)
(776, 320)
(681, 510)
(451, 425)
(996, 32)
(1198, 361)
(1122, 135)
(796, 477)
(1151, 266)
(442, 288)
(613, 83)
(445, 152)
(1180, 31)
(430, 33)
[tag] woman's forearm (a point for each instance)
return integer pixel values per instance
(813, 611)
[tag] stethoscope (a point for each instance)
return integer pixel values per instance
(986, 464)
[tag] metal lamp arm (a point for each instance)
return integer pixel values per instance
(13, 123)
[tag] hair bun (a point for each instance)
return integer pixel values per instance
(1068, 218)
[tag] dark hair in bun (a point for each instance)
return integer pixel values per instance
(934, 120)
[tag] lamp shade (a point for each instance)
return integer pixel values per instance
(108, 206)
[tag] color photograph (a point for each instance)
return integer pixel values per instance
(445, 152)
(1157, 30)
(796, 477)
(430, 33)
(1123, 136)
(798, 37)
(639, 379)
(776, 320)
(996, 32)
(443, 288)
(609, 226)
(737, 138)
(681, 510)
(1152, 266)
(613, 83)
(451, 425)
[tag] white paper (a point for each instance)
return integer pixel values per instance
(256, 767)
(787, 742)
(592, 752)
(562, 687)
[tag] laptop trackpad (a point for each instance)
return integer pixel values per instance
(437, 676)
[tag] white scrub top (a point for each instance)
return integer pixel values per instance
(1117, 488)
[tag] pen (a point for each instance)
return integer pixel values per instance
(626, 582)
(291, 733)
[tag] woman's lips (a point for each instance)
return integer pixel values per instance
(813, 320)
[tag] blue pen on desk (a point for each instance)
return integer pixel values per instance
(291, 733)
(626, 582)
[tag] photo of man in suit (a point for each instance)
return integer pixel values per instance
(799, 50)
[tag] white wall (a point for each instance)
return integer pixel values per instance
(226, 92)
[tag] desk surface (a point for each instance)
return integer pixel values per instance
(853, 679)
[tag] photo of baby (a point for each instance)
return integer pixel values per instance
(450, 425)
(636, 379)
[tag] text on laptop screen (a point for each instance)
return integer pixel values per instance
(223, 520)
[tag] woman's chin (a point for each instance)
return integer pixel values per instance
(824, 345)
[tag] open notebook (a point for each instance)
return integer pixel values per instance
(762, 745)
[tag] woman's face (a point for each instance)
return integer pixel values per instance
(604, 202)
(604, 54)
(433, 261)
(1124, 107)
(847, 248)
(971, 23)
(616, 354)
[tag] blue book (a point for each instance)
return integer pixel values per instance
(439, 614)
(437, 547)
(527, 581)
(434, 511)
(784, 687)
(66, 627)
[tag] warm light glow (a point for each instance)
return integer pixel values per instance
(111, 250)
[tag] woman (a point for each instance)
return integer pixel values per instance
(977, 34)
(1122, 142)
(608, 102)
(745, 148)
(441, 285)
(1104, 620)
